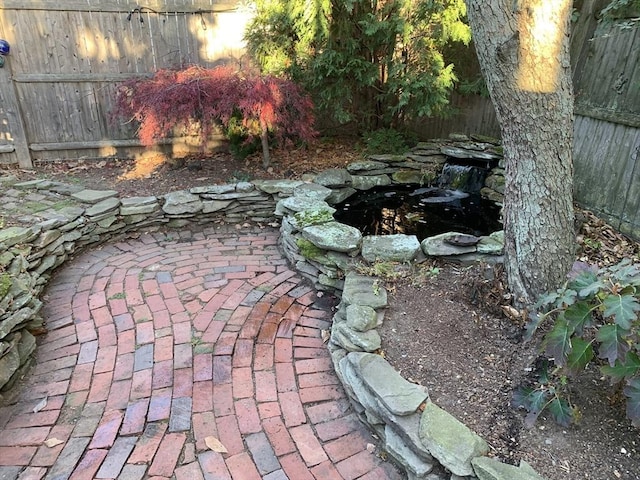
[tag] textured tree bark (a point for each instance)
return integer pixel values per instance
(523, 48)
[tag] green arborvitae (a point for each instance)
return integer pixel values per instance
(377, 63)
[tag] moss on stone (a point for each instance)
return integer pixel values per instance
(308, 249)
(5, 284)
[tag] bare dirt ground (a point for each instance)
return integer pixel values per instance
(445, 330)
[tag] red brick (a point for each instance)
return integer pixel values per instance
(135, 417)
(101, 316)
(223, 404)
(229, 434)
(247, 415)
(145, 333)
(225, 343)
(346, 446)
(30, 419)
(266, 390)
(269, 409)
(242, 467)
(292, 409)
(159, 405)
(148, 443)
(162, 374)
(242, 383)
(161, 319)
(267, 333)
(295, 467)
(183, 356)
(45, 456)
(119, 395)
(13, 456)
(203, 396)
(212, 334)
(264, 357)
(124, 366)
(183, 383)
(320, 394)
(313, 365)
(163, 349)
(285, 377)
(81, 378)
(126, 342)
(243, 353)
(337, 428)
(182, 332)
(204, 425)
(308, 342)
(97, 300)
(86, 332)
(304, 352)
(141, 384)
(33, 473)
(283, 304)
(308, 445)
(213, 463)
(307, 332)
(357, 465)
(89, 465)
(320, 379)
(326, 471)
(191, 471)
(326, 411)
(100, 387)
(202, 367)
(164, 462)
(106, 359)
(283, 350)
(106, 432)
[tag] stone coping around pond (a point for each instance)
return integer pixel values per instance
(51, 221)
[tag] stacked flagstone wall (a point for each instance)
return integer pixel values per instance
(50, 221)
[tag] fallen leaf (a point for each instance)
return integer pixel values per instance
(371, 447)
(52, 442)
(326, 335)
(214, 444)
(41, 404)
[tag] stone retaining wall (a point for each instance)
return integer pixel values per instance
(415, 432)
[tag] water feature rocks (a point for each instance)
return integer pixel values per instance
(333, 178)
(94, 196)
(439, 246)
(334, 236)
(449, 440)
(395, 248)
(178, 203)
(363, 290)
(362, 318)
(365, 166)
(312, 191)
(367, 182)
(487, 468)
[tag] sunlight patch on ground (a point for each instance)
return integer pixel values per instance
(145, 165)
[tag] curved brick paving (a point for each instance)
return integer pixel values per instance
(156, 343)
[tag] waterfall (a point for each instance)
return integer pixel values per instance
(462, 177)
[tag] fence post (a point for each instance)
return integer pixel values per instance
(14, 116)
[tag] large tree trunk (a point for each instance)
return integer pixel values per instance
(523, 48)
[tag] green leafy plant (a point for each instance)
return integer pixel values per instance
(386, 140)
(373, 63)
(594, 314)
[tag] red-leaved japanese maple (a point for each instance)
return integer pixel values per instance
(203, 99)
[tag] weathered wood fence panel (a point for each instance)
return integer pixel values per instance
(68, 56)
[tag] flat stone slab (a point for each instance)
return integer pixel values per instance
(397, 394)
(394, 248)
(367, 182)
(94, 196)
(363, 290)
(312, 191)
(361, 318)
(438, 245)
(277, 186)
(487, 468)
(334, 236)
(449, 440)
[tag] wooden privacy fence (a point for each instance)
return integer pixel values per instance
(58, 85)
(606, 60)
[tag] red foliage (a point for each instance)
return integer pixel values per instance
(210, 98)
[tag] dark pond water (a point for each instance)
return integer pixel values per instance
(423, 212)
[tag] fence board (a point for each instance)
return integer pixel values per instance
(119, 5)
